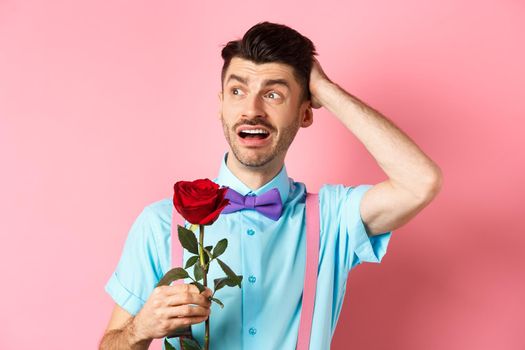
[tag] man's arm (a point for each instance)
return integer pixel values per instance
(413, 178)
(120, 333)
(167, 309)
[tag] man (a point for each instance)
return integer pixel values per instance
(270, 83)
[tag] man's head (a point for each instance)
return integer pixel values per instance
(271, 42)
(265, 85)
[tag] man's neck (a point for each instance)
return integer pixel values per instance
(253, 177)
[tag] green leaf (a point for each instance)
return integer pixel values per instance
(220, 282)
(191, 261)
(174, 274)
(227, 270)
(220, 247)
(188, 240)
(226, 281)
(208, 254)
(200, 286)
(235, 280)
(197, 272)
(218, 302)
(178, 332)
(231, 283)
(190, 344)
(167, 345)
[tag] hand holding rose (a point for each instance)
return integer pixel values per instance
(200, 202)
(168, 309)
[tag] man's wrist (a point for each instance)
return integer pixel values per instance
(135, 339)
(328, 93)
(317, 88)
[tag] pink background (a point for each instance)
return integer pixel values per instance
(101, 101)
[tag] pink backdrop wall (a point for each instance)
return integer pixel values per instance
(101, 100)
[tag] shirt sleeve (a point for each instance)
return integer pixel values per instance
(366, 249)
(342, 203)
(137, 271)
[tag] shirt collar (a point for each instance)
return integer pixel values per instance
(227, 178)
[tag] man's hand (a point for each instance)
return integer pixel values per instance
(318, 80)
(168, 308)
(414, 179)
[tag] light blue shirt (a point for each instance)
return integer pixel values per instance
(271, 257)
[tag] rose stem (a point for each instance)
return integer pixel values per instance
(205, 280)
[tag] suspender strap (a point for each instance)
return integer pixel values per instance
(310, 280)
(312, 262)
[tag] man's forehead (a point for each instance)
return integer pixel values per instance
(250, 70)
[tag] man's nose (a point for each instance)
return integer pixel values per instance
(254, 106)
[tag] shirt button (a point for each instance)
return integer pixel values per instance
(253, 331)
(250, 232)
(251, 279)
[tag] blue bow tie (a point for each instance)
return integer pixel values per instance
(269, 203)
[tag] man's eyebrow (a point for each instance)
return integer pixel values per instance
(266, 82)
(283, 82)
(238, 78)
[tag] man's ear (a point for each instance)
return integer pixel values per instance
(307, 115)
(220, 104)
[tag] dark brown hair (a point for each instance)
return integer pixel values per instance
(271, 42)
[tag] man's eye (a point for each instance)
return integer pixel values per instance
(236, 91)
(273, 95)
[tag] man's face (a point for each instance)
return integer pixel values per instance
(260, 110)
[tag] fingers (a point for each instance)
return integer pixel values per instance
(181, 289)
(187, 288)
(170, 307)
(181, 294)
(187, 321)
(188, 311)
(188, 298)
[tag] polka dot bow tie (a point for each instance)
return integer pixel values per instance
(268, 204)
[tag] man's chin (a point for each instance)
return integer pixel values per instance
(253, 158)
(255, 163)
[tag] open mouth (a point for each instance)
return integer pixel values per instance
(255, 134)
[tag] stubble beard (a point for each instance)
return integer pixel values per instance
(259, 158)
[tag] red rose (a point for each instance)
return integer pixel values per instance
(200, 201)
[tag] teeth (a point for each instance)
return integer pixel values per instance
(256, 131)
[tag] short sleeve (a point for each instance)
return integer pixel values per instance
(137, 271)
(341, 220)
(366, 249)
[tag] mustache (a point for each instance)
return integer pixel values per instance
(253, 122)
